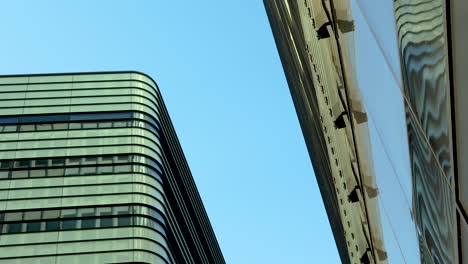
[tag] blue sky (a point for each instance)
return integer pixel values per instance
(219, 71)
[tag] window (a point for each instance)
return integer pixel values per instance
(90, 125)
(6, 164)
(14, 228)
(23, 164)
(41, 163)
(43, 127)
(4, 174)
(69, 224)
(51, 214)
(19, 174)
(76, 218)
(55, 172)
(124, 221)
(26, 128)
(58, 166)
(32, 215)
(107, 222)
(88, 223)
(52, 225)
(58, 162)
(33, 227)
(13, 216)
(88, 170)
(38, 173)
(60, 126)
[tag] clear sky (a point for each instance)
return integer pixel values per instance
(218, 69)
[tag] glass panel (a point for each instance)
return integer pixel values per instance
(6, 120)
(34, 215)
(88, 223)
(19, 174)
(107, 222)
(124, 221)
(89, 125)
(105, 169)
(433, 200)
(6, 164)
(106, 159)
(38, 173)
(73, 161)
(72, 171)
(424, 52)
(33, 227)
(52, 225)
(83, 212)
(69, 224)
(25, 128)
(69, 213)
(51, 214)
(9, 128)
(75, 125)
(55, 172)
(41, 163)
(4, 174)
(58, 162)
(44, 127)
(14, 228)
(88, 170)
(13, 216)
(105, 124)
(122, 168)
(23, 164)
(60, 126)
(122, 210)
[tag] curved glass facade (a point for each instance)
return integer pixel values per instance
(88, 173)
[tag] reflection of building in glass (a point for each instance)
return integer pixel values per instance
(92, 172)
(378, 87)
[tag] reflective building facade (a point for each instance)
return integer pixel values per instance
(377, 86)
(91, 171)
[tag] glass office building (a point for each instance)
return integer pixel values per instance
(91, 171)
(378, 88)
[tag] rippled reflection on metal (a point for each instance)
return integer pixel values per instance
(423, 53)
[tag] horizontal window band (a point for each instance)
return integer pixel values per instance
(70, 161)
(157, 191)
(87, 146)
(80, 125)
(131, 103)
(54, 172)
(71, 186)
(70, 139)
(156, 217)
(83, 116)
(84, 195)
(131, 208)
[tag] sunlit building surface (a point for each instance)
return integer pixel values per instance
(91, 171)
(379, 88)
